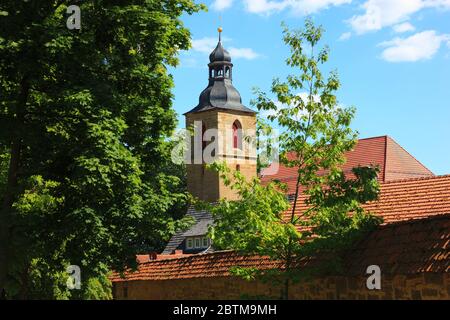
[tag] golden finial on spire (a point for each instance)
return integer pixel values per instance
(220, 32)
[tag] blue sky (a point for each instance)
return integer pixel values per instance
(393, 58)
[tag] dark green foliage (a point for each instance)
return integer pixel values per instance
(84, 120)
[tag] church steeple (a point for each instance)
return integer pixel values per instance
(219, 55)
(220, 92)
(220, 122)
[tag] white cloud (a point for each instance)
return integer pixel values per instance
(403, 27)
(444, 4)
(420, 46)
(302, 7)
(345, 36)
(264, 6)
(383, 13)
(245, 53)
(207, 44)
(312, 6)
(188, 63)
(219, 5)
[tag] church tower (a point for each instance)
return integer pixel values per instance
(223, 131)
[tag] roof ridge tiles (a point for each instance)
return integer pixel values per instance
(415, 179)
(170, 259)
(376, 137)
(415, 220)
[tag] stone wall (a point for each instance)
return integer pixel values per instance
(416, 286)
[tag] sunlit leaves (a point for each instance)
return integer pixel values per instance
(96, 184)
(315, 134)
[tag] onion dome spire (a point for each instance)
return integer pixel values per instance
(220, 92)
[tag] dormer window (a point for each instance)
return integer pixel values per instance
(195, 243)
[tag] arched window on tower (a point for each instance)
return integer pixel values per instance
(227, 72)
(237, 135)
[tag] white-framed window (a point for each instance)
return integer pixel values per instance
(189, 243)
(205, 242)
(198, 243)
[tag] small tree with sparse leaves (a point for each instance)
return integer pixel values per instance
(315, 135)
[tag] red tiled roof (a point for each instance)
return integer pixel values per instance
(404, 247)
(412, 199)
(406, 199)
(142, 258)
(394, 162)
(216, 264)
(400, 164)
(414, 238)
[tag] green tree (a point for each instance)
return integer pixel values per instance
(84, 120)
(315, 135)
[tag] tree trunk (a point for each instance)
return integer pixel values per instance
(24, 282)
(286, 289)
(11, 186)
(5, 212)
(288, 263)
